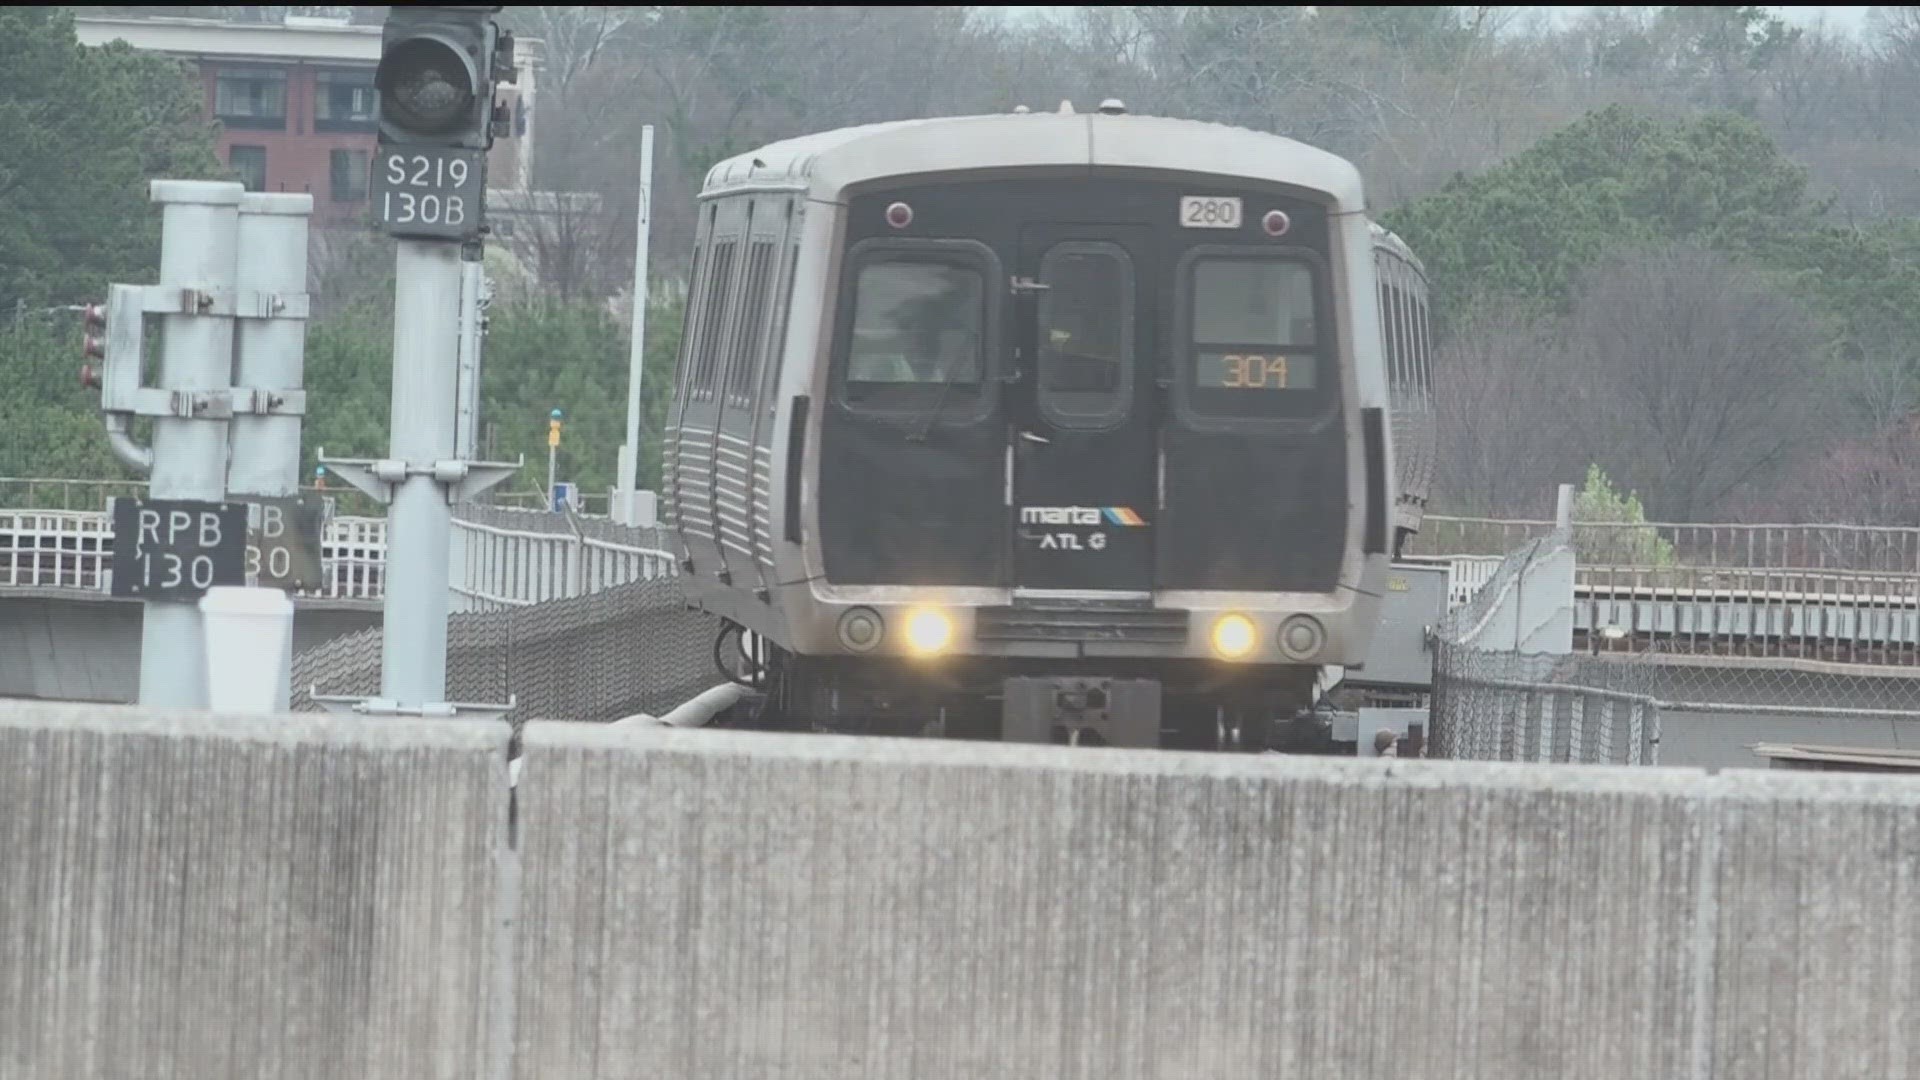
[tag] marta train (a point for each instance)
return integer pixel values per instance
(1045, 426)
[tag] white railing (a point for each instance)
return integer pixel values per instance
(1869, 549)
(73, 549)
(499, 565)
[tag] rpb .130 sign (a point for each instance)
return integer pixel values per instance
(430, 193)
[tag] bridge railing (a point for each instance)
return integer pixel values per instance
(501, 556)
(73, 549)
(1868, 549)
(532, 561)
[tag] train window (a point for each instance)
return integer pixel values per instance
(747, 346)
(1254, 338)
(777, 344)
(719, 289)
(1393, 333)
(689, 322)
(1086, 334)
(917, 322)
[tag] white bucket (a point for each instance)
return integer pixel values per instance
(247, 631)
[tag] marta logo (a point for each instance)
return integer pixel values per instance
(1123, 516)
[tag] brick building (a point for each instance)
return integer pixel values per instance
(296, 102)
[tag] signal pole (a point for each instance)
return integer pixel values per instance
(438, 66)
(270, 361)
(232, 272)
(198, 244)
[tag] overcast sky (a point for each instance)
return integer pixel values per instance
(1847, 20)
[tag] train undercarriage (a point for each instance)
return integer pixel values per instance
(1167, 704)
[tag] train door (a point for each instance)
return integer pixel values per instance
(1084, 410)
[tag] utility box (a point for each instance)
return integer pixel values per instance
(1415, 601)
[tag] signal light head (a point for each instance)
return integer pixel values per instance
(95, 347)
(427, 86)
(89, 378)
(95, 316)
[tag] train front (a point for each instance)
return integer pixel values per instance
(1101, 453)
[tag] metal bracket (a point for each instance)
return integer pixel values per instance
(217, 404)
(373, 478)
(482, 477)
(463, 479)
(345, 704)
(242, 303)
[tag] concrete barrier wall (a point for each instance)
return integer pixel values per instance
(191, 896)
(184, 895)
(709, 904)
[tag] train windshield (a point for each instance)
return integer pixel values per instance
(1254, 345)
(1086, 334)
(917, 322)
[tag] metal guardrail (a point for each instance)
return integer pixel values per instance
(70, 549)
(517, 567)
(1870, 549)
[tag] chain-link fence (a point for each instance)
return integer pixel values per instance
(1506, 685)
(1662, 700)
(626, 649)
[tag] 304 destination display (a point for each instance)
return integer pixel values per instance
(1250, 370)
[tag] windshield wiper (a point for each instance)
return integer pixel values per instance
(947, 373)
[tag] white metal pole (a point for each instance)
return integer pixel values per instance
(270, 355)
(198, 243)
(426, 330)
(637, 348)
(468, 438)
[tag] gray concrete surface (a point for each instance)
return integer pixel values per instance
(710, 904)
(78, 647)
(197, 897)
(193, 896)
(1722, 740)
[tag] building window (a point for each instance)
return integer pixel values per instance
(349, 175)
(344, 101)
(254, 99)
(250, 162)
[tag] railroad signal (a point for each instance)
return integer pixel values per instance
(438, 67)
(553, 429)
(93, 340)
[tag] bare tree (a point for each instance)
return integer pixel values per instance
(1500, 414)
(1692, 380)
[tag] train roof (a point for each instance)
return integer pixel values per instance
(1387, 238)
(825, 164)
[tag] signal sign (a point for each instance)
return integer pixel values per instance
(283, 542)
(177, 549)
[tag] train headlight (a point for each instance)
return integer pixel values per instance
(1234, 636)
(861, 629)
(929, 631)
(1301, 638)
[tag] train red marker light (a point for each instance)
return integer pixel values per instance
(1276, 223)
(899, 215)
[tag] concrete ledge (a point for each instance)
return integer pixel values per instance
(190, 895)
(714, 904)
